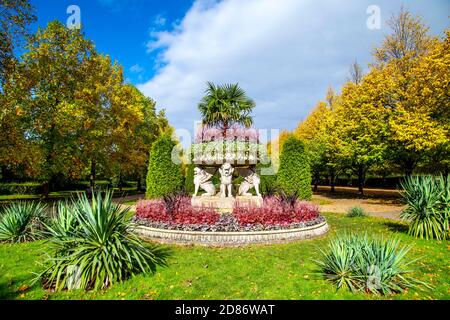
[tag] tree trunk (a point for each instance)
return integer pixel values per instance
(93, 175)
(409, 164)
(120, 182)
(46, 189)
(409, 168)
(361, 178)
(7, 174)
(316, 182)
(332, 180)
(139, 184)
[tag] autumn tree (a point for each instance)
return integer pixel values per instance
(413, 131)
(53, 72)
(313, 132)
(333, 139)
(361, 124)
(15, 151)
(15, 16)
(135, 127)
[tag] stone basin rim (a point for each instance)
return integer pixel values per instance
(233, 238)
(235, 233)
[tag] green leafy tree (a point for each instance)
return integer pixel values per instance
(15, 16)
(55, 117)
(294, 175)
(16, 153)
(313, 132)
(164, 169)
(225, 105)
(362, 124)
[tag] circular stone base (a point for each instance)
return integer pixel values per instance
(226, 205)
(231, 238)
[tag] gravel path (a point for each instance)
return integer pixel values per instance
(380, 203)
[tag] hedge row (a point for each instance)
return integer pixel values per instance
(35, 188)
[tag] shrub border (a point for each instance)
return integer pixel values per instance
(231, 238)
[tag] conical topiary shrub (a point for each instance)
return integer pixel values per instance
(164, 175)
(189, 179)
(294, 174)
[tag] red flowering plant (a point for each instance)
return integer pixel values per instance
(175, 211)
(275, 212)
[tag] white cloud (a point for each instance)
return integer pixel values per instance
(136, 69)
(284, 53)
(159, 20)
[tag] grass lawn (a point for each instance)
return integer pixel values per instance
(130, 203)
(281, 271)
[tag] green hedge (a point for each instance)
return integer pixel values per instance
(33, 188)
(189, 179)
(164, 176)
(294, 174)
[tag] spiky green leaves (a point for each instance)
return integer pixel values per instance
(21, 221)
(94, 246)
(225, 105)
(367, 264)
(356, 212)
(428, 211)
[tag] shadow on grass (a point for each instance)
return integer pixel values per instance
(396, 227)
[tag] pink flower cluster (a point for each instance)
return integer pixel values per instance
(235, 133)
(183, 213)
(274, 212)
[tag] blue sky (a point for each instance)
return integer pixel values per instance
(284, 53)
(119, 28)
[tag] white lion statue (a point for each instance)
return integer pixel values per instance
(251, 180)
(226, 180)
(202, 180)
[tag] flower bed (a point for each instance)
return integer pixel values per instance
(275, 212)
(182, 213)
(273, 215)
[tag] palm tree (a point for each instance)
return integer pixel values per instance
(225, 105)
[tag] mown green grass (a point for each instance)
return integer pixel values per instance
(283, 271)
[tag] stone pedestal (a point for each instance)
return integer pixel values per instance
(226, 205)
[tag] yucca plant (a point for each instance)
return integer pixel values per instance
(356, 212)
(368, 264)
(337, 264)
(98, 248)
(21, 221)
(64, 222)
(428, 202)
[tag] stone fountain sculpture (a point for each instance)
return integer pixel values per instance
(227, 155)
